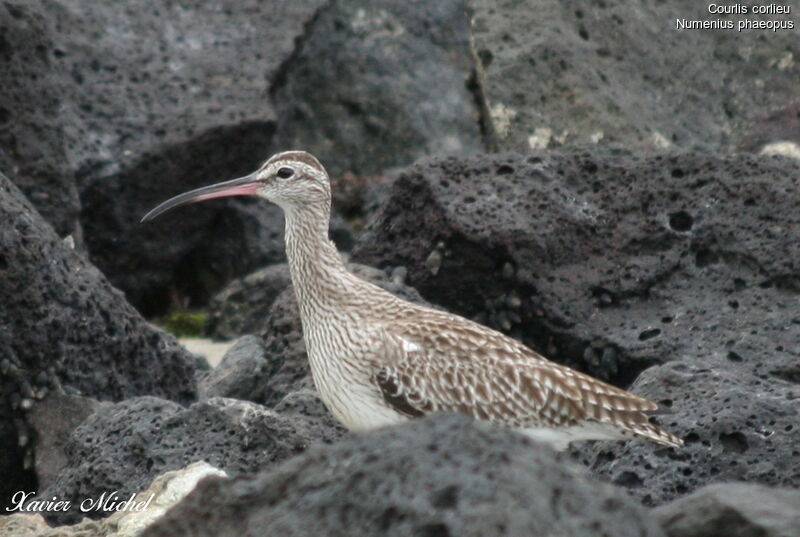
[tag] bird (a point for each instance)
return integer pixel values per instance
(378, 360)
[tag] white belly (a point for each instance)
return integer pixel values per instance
(359, 412)
(349, 393)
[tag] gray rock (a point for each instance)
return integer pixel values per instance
(579, 73)
(737, 427)
(243, 372)
(122, 447)
(63, 324)
(378, 84)
(606, 262)
(283, 336)
(242, 306)
(619, 263)
(37, 138)
(356, 197)
(126, 107)
(286, 352)
(734, 510)
(16, 463)
(134, 516)
(441, 476)
(53, 420)
(151, 100)
(306, 404)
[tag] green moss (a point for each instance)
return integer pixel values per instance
(184, 323)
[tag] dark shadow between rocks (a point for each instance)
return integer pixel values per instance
(186, 255)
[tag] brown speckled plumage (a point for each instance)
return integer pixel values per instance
(378, 360)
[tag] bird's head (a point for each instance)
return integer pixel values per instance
(291, 179)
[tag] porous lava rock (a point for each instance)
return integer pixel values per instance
(444, 475)
(243, 372)
(737, 426)
(242, 306)
(38, 134)
(62, 321)
(740, 509)
(376, 84)
(556, 74)
(606, 262)
(62, 324)
(122, 447)
(613, 263)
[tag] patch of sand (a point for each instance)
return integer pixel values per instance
(212, 350)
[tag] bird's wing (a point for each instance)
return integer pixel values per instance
(460, 366)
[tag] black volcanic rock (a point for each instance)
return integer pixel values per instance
(442, 476)
(125, 106)
(38, 134)
(376, 84)
(606, 262)
(737, 427)
(179, 106)
(241, 307)
(243, 373)
(557, 74)
(122, 447)
(613, 263)
(739, 509)
(63, 324)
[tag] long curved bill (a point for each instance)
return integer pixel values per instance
(243, 186)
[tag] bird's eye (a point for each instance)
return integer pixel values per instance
(285, 173)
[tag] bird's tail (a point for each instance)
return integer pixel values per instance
(642, 428)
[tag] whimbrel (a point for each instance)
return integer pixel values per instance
(379, 360)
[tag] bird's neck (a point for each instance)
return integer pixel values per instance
(318, 273)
